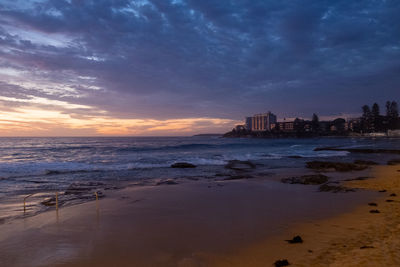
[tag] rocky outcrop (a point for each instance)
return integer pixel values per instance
(238, 177)
(82, 188)
(167, 182)
(365, 162)
(360, 150)
(330, 187)
(183, 165)
(312, 179)
(240, 165)
(338, 166)
(295, 157)
(393, 162)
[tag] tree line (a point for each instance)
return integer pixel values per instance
(373, 121)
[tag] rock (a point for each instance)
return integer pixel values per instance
(52, 172)
(338, 166)
(238, 177)
(389, 200)
(382, 191)
(81, 188)
(393, 195)
(393, 162)
(360, 150)
(183, 165)
(364, 247)
(49, 202)
(167, 182)
(313, 179)
(295, 157)
(76, 189)
(295, 240)
(365, 162)
(361, 178)
(372, 204)
(334, 188)
(280, 263)
(240, 165)
(374, 211)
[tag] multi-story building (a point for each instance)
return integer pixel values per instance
(286, 126)
(262, 122)
(352, 124)
(248, 123)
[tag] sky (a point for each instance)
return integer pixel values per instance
(182, 67)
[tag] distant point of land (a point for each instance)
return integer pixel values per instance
(208, 135)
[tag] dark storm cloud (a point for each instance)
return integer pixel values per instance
(174, 59)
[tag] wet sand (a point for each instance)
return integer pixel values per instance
(356, 238)
(214, 223)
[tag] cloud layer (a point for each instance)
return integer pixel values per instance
(160, 60)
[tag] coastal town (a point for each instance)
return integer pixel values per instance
(370, 123)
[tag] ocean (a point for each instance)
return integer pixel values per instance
(43, 166)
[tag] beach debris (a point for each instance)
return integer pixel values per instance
(311, 179)
(328, 187)
(382, 191)
(393, 195)
(240, 165)
(372, 204)
(337, 166)
(280, 263)
(393, 162)
(167, 182)
(295, 240)
(374, 211)
(365, 162)
(310, 251)
(389, 200)
(183, 165)
(364, 247)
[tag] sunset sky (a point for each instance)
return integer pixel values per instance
(181, 67)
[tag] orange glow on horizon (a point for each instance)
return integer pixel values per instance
(40, 122)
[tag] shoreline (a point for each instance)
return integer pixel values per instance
(294, 136)
(190, 224)
(355, 238)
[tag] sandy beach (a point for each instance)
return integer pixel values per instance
(216, 223)
(355, 238)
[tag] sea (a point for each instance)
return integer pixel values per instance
(75, 167)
